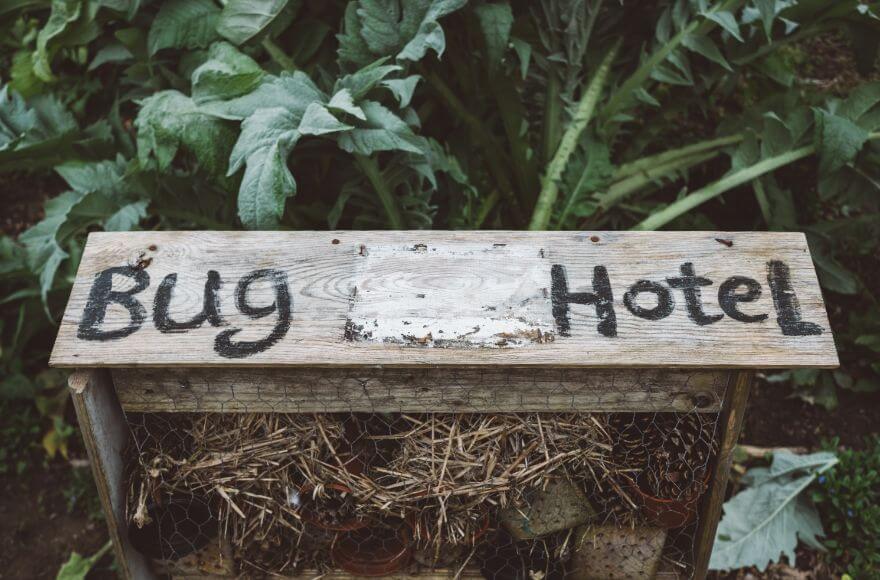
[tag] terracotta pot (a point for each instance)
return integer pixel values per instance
(311, 515)
(668, 513)
(179, 525)
(371, 552)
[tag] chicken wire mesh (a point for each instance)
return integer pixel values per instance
(512, 495)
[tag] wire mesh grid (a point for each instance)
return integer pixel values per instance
(530, 495)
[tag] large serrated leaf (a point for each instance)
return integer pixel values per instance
(382, 131)
(227, 74)
(266, 139)
(169, 121)
(294, 92)
(765, 521)
(403, 30)
(241, 20)
(838, 141)
(184, 24)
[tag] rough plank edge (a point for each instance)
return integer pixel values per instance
(105, 433)
(422, 390)
(731, 422)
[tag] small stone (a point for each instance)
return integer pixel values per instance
(561, 506)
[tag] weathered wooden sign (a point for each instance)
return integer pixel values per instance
(604, 299)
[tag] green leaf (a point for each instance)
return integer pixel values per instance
(293, 92)
(22, 77)
(170, 121)
(496, 20)
(71, 23)
(242, 20)
(833, 275)
(402, 89)
(703, 45)
(403, 30)
(227, 74)
(36, 133)
(317, 120)
(127, 217)
(77, 567)
(524, 52)
(24, 125)
(266, 139)
(765, 521)
(112, 53)
(589, 170)
(343, 102)
(727, 21)
(767, 11)
(382, 131)
(838, 141)
(364, 80)
(184, 24)
(862, 99)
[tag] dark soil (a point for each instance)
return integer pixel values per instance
(22, 197)
(37, 532)
(775, 419)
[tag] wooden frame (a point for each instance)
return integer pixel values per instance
(306, 322)
(102, 420)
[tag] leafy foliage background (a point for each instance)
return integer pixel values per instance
(554, 114)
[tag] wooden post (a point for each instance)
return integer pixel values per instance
(105, 434)
(730, 424)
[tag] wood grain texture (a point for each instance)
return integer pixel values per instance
(731, 422)
(447, 299)
(439, 390)
(105, 435)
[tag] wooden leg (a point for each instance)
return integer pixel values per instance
(730, 421)
(105, 433)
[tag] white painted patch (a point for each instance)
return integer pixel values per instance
(452, 296)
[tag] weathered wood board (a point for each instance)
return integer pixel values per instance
(354, 299)
(423, 390)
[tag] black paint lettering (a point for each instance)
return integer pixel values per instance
(102, 295)
(601, 297)
(665, 304)
(210, 309)
(788, 309)
(728, 298)
(689, 283)
(224, 346)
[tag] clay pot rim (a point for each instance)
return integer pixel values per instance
(373, 568)
(633, 484)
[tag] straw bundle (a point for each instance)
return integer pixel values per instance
(269, 475)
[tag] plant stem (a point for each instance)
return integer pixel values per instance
(371, 169)
(763, 202)
(552, 118)
(651, 162)
(278, 55)
(726, 183)
(582, 117)
(623, 188)
(486, 208)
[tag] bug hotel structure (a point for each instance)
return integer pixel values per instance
(426, 404)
